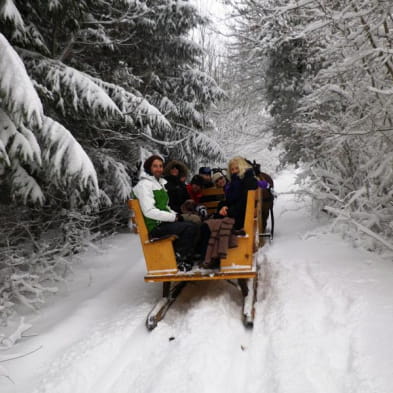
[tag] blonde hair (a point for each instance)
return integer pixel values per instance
(241, 163)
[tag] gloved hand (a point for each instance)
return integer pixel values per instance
(179, 217)
(201, 210)
(263, 184)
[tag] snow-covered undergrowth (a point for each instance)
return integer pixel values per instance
(38, 250)
(323, 323)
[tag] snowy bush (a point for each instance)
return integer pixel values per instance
(38, 248)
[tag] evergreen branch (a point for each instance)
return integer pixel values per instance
(164, 143)
(65, 157)
(17, 92)
(125, 17)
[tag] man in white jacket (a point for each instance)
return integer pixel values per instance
(160, 219)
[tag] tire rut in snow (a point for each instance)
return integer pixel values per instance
(87, 360)
(210, 346)
(307, 339)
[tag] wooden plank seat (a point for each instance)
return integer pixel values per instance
(159, 254)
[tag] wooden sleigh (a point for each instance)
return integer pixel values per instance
(240, 263)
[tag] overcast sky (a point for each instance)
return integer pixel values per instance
(211, 7)
(218, 13)
(214, 9)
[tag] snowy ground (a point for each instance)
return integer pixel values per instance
(324, 323)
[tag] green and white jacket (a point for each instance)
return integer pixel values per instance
(153, 199)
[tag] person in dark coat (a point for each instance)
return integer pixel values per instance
(266, 183)
(206, 173)
(195, 188)
(242, 180)
(175, 173)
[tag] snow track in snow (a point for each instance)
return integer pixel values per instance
(308, 334)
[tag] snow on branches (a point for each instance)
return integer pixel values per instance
(65, 158)
(136, 109)
(8, 12)
(117, 171)
(71, 87)
(198, 84)
(24, 186)
(17, 94)
(199, 143)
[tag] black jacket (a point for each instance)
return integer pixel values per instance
(236, 196)
(177, 192)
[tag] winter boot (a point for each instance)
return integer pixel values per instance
(213, 264)
(183, 263)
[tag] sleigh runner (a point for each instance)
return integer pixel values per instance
(239, 264)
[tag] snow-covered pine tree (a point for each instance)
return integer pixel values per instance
(167, 65)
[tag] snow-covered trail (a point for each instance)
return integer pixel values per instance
(324, 321)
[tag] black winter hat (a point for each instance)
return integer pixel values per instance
(198, 180)
(205, 170)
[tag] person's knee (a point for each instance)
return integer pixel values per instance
(186, 227)
(192, 227)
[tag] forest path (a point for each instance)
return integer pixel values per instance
(323, 323)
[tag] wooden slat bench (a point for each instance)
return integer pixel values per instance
(160, 256)
(213, 197)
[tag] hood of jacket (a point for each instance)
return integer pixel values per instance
(183, 170)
